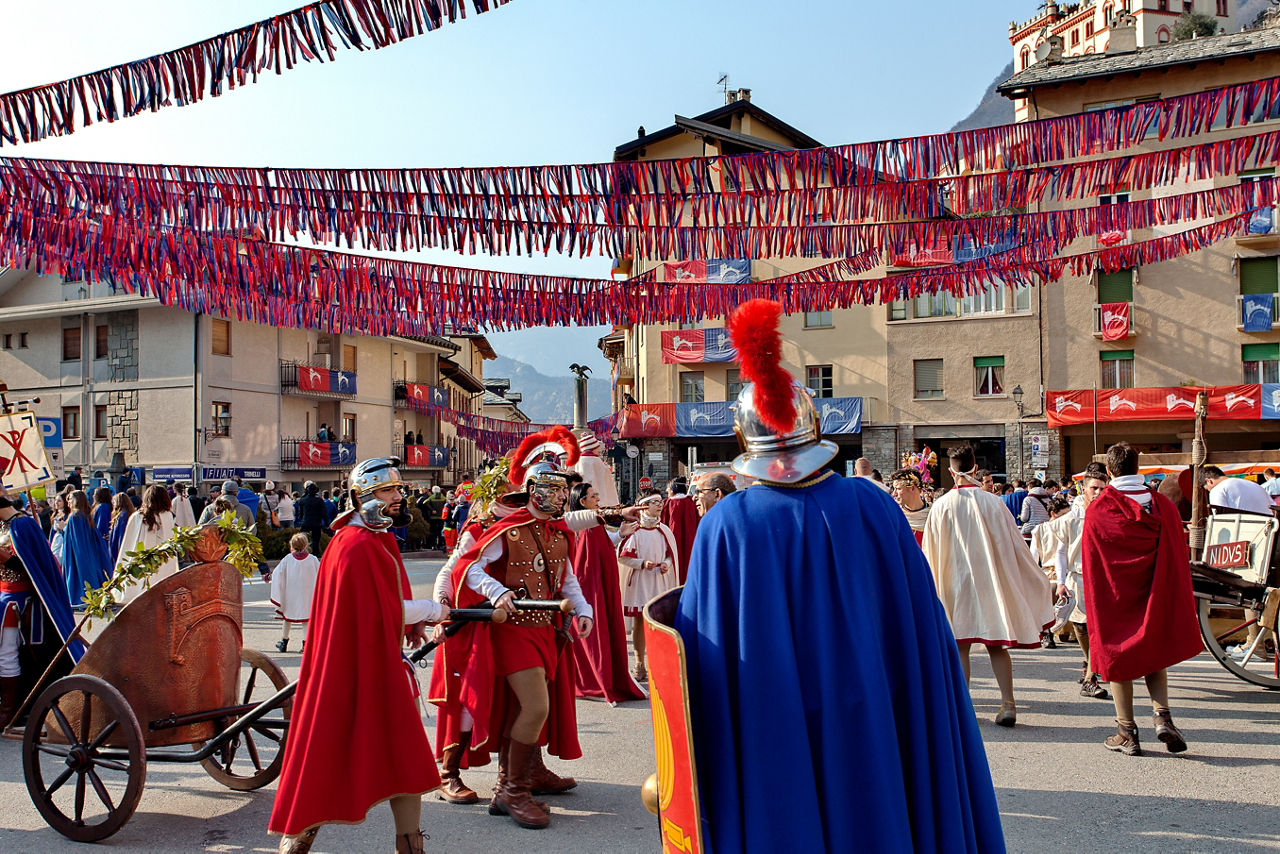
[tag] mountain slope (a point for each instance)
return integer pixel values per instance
(549, 399)
(993, 109)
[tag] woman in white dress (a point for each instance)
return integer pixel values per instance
(293, 584)
(149, 527)
(650, 556)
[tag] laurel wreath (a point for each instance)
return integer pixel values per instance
(244, 552)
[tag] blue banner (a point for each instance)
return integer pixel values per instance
(1260, 221)
(839, 415)
(1256, 309)
(344, 382)
(707, 420)
(160, 474)
(210, 473)
(1271, 400)
(718, 347)
(729, 271)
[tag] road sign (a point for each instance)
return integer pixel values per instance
(160, 474)
(1039, 450)
(23, 462)
(55, 462)
(646, 483)
(50, 432)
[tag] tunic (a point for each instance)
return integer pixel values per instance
(656, 544)
(293, 583)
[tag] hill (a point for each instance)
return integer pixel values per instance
(549, 399)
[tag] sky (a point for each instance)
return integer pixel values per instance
(533, 82)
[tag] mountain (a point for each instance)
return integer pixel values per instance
(993, 109)
(549, 399)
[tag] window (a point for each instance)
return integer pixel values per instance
(221, 337)
(1261, 362)
(733, 384)
(988, 376)
(1117, 198)
(1222, 9)
(349, 358)
(1258, 275)
(989, 300)
(1022, 298)
(936, 305)
(1162, 35)
(1075, 38)
(818, 379)
(22, 340)
(348, 424)
(100, 421)
(1117, 368)
(1088, 29)
(928, 374)
(221, 418)
(8, 341)
(691, 387)
(71, 344)
(898, 310)
(1263, 220)
(817, 320)
(71, 422)
(1188, 6)
(688, 326)
(1162, 5)
(1115, 287)
(1026, 58)
(101, 341)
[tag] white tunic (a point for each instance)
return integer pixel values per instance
(293, 583)
(136, 533)
(658, 545)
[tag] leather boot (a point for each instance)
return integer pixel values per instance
(1168, 733)
(411, 843)
(300, 844)
(1124, 741)
(8, 699)
(452, 789)
(544, 781)
(494, 809)
(514, 798)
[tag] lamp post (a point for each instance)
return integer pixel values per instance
(1017, 401)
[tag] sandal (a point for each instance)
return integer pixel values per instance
(1008, 715)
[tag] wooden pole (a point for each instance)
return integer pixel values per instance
(1199, 498)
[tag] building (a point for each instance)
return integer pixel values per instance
(841, 354)
(501, 402)
(193, 397)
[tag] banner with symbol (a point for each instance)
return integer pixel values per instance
(22, 457)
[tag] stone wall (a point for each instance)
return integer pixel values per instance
(122, 423)
(884, 446)
(122, 346)
(1020, 465)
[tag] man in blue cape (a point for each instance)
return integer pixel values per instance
(35, 612)
(828, 708)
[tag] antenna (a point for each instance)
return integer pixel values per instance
(723, 82)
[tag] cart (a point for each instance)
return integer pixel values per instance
(166, 681)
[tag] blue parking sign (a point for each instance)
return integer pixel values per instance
(50, 432)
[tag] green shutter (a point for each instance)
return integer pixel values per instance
(1258, 275)
(1116, 287)
(1117, 355)
(988, 361)
(1259, 352)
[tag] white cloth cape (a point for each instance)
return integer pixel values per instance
(134, 533)
(293, 583)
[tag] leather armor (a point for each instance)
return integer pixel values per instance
(523, 565)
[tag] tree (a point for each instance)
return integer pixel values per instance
(1194, 24)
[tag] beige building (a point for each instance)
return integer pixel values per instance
(137, 384)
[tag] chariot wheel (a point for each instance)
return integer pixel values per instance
(253, 758)
(83, 788)
(1258, 662)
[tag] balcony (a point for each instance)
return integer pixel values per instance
(316, 380)
(1240, 315)
(308, 454)
(422, 456)
(1263, 231)
(1099, 322)
(626, 371)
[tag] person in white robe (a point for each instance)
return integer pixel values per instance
(650, 557)
(595, 470)
(148, 528)
(993, 591)
(293, 585)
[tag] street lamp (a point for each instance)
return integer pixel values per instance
(1017, 401)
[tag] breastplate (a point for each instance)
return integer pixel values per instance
(523, 564)
(12, 571)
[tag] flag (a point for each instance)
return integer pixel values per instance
(675, 272)
(312, 454)
(1115, 321)
(1271, 400)
(682, 346)
(314, 379)
(644, 420)
(1261, 221)
(1257, 312)
(839, 415)
(703, 419)
(728, 271)
(718, 346)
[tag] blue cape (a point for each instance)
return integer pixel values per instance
(33, 551)
(102, 520)
(829, 710)
(117, 537)
(85, 558)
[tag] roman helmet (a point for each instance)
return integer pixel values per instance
(774, 419)
(538, 471)
(367, 477)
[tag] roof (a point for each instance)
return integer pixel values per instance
(461, 377)
(1188, 52)
(716, 123)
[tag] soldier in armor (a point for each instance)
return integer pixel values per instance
(525, 555)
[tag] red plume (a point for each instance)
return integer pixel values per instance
(558, 435)
(754, 330)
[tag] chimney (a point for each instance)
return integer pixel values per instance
(1055, 50)
(737, 95)
(1124, 33)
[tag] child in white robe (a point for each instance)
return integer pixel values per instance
(650, 556)
(293, 583)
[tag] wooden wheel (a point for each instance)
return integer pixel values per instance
(253, 758)
(1258, 662)
(83, 788)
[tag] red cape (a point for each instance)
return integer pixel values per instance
(355, 734)
(484, 693)
(1137, 587)
(681, 516)
(601, 659)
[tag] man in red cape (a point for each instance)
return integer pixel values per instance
(356, 736)
(516, 669)
(680, 514)
(1137, 586)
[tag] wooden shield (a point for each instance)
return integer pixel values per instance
(678, 810)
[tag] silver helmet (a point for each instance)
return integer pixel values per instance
(366, 478)
(780, 457)
(539, 472)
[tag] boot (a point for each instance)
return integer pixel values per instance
(8, 699)
(299, 844)
(494, 808)
(282, 645)
(544, 781)
(1125, 740)
(1091, 688)
(514, 799)
(1047, 641)
(411, 843)
(1168, 733)
(452, 789)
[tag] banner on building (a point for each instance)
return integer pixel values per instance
(1245, 402)
(326, 454)
(325, 379)
(704, 419)
(651, 420)
(1270, 400)
(1256, 310)
(720, 271)
(1114, 320)
(839, 416)
(22, 458)
(692, 346)
(426, 456)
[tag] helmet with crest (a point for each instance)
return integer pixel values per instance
(539, 469)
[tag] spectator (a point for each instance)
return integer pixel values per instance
(45, 515)
(76, 478)
(330, 509)
(285, 509)
(1271, 483)
(134, 498)
(1035, 508)
(710, 489)
(433, 505)
(419, 438)
(1014, 498)
(197, 503)
(86, 562)
(324, 434)
(270, 501)
(248, 498)
(100, 515)
(987, 481)
(121, 509)
(862, 468)
(230, 492)
(408, 439)
(312, 515)
(1235, 493)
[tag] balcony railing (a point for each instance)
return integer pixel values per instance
(1100, 322)
(1241, 319)
(626, 370)
(316, 380)
(296, 453)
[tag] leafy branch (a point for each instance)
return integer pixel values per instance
(244, 551)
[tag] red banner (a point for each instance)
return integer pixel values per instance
(1073, 406)
(1235, 401)
(1170, 403)
(1115, 321)
(682, 346)
(685, 271)
(647, 420)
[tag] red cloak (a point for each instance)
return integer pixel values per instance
(601, 659)
(484, 693)
(1137, 587)
(681, 517)
(355, 735)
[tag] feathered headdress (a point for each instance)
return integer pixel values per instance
(754, 330)
(557, 440)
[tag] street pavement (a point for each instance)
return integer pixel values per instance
(1058, 788)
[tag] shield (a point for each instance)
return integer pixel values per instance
(679, 813)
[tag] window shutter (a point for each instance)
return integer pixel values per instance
(988, 361)
(1117, 355)
(928, 374)
(1259, 352)
(1258, 275)
(1115, 287)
